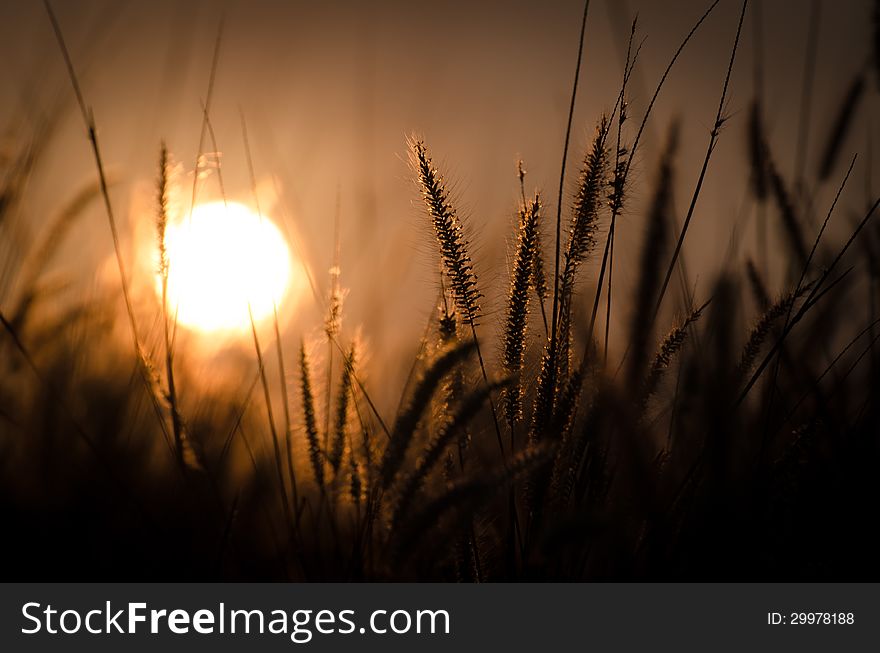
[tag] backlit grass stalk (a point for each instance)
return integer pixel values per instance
(521, 282)
(439, 444)
(618, 181)
(582, 236)
(333, 321)
(288, 427)
(781, 307)
(452, 388)
(551, 356)
(276, 445)
(467, 494)
(340, 423)
(798, 288)
(405, 425)
(206, 109)
(89, 121)
(539, 277)
(631, 158)
(669, 347)
(310, 422)
(161, 226)
(713, 138)
(454, 254)
(816, 293)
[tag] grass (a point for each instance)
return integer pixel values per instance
(742, 444)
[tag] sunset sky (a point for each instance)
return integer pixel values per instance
(331, 90)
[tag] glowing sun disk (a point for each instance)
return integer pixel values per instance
(221, 260)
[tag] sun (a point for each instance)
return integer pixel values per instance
(223, 260)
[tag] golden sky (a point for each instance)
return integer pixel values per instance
(331, 90)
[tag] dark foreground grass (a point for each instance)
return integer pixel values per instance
(740, 441)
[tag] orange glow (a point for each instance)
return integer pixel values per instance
(223, 259)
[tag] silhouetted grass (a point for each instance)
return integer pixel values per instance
(743, 444)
